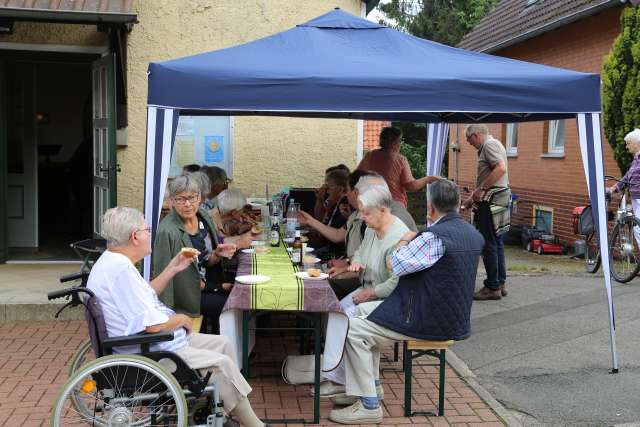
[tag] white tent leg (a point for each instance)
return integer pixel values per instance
(437, 135)
(591, 145)
(160, 129)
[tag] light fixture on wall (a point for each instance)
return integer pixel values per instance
(42, 118)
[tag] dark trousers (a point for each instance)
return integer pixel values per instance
(211, 304)
(493, 252)
(343, 287)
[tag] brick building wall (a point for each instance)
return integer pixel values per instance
(372, 131)
(557, 183)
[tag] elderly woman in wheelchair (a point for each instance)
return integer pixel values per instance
(179, 378)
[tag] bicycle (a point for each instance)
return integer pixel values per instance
(624, 249)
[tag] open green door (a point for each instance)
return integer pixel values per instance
(104, 138)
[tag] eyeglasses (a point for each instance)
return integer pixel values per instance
(182, 200)
(148, 230)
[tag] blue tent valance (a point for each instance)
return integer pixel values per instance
(341, 66)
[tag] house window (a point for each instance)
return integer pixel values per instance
(203, 140)
(511, 138)
(556, 137)
(543, 218)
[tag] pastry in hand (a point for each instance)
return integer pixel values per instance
(190, 252)
(261, 249)
(313, 272)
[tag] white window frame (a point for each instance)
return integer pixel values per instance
(511, 138)
(556, 137)
(542, 208)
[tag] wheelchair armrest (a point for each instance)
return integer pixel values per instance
(142, 338)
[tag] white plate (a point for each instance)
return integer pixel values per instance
(305, 276)
(248, 251)
(308, 249)
(258, 243)
(288, 240)
(252, 279)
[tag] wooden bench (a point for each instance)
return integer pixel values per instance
(413, 349)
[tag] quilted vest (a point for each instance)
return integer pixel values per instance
(435, 303)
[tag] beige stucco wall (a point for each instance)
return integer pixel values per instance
(283, 150)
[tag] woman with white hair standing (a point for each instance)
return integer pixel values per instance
(631, 179)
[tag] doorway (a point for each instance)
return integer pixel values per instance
(48, 140)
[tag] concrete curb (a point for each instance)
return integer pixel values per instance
(10, 313)
(469, 377)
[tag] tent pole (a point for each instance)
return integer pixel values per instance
(591, 149)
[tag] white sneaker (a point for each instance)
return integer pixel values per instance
(329, 389)
(344, 399)
(356, 414)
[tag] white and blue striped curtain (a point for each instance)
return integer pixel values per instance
(437, 137)
(162, 124)
(589, 133)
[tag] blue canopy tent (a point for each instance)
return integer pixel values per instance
(342, 66)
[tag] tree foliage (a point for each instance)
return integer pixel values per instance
(443, 21)
(621, 86)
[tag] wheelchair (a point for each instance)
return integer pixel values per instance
(150, 388)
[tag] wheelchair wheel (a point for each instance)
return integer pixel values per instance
(121, 390)
(82, 356)
(624, 250)
(592, 253)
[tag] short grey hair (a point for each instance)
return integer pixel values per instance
(633, 136)
(375, 196)
(119, 223)
(371, 178)
(476, 128)
(187, 183)
(444, 196)
(205, 184)
(231, 199)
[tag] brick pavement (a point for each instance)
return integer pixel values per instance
(34, 360)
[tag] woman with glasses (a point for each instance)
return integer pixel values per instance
(202, 287)
(393, 166)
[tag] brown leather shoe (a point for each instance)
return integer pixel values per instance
(503, 290)
(486, 294)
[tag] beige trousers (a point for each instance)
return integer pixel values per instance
(215, 352)
(362, 351)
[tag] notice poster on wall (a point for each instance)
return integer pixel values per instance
(203, 140)
(185, 153)
(213, 149)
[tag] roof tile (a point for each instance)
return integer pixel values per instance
(513, 18)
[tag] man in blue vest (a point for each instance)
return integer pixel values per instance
(437, 270)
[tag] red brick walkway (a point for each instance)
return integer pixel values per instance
(34, 358)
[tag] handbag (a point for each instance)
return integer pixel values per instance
(299, 369)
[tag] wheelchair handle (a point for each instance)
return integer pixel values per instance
(68, 292)
(74, 276)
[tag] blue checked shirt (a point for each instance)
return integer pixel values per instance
(419, 254)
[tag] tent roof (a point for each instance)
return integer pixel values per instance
(338, 65)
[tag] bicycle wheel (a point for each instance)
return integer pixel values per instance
(624, 250)
(121, 390)
(592, 253)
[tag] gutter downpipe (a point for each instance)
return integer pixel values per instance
(607, 4)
